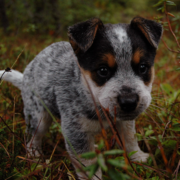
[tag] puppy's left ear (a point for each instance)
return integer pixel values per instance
(150, 29)
(82, 35)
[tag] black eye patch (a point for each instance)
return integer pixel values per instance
(102, 74)
(143, 69)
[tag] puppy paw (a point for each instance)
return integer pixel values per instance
(140, 156)
(33, 152)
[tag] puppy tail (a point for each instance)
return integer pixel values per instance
(15, 77)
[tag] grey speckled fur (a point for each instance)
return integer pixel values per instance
(54, 77)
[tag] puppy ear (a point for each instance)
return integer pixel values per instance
(82, 35)
(150, 29)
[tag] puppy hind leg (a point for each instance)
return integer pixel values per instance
(127, 132)
(39, 126)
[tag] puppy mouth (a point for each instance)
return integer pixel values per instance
(120, 115)
(124, 116)
(127, 116)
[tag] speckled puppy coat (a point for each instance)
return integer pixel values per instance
(117, 63)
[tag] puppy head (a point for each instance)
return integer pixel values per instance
(117, 61)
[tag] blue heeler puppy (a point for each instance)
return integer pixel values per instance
(117, 63)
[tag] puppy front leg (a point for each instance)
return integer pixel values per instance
(127, 132)
(80, 142)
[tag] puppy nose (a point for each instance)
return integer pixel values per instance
(128, 102)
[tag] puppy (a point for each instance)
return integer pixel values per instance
(114, 60)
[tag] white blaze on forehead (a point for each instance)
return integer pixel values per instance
(121, 34)
(121, 44)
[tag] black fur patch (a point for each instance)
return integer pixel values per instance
(82, 35)
(92, 48)
(140, 43)
(151, 30)
(93, 58)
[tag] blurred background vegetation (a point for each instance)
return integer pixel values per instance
(54, 16)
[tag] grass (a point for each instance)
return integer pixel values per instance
(158, 129)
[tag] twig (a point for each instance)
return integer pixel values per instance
(96, 108)
(177, 169)
(118, 139)
(51, 156)
(80, 166)
(69, 172)
(13, 125)
(6, 70)
(169, 48)
(149, 168)
(11, 130)
(147, 113)
(149, 149)
(9, 69)
(36, 165)
(169, 25)
(174, 155)
(163, 154)
(17, 58)
(5, 149)
(34, 161)
(61, 172)
(166, 128)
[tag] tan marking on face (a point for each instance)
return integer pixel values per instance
(151, 72)
(110, 59)
(91, 77)
(86, 74)
(137, 56)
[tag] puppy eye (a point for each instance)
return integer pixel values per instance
(103, 72)
(143, 68)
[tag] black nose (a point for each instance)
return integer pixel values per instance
(128, 102)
